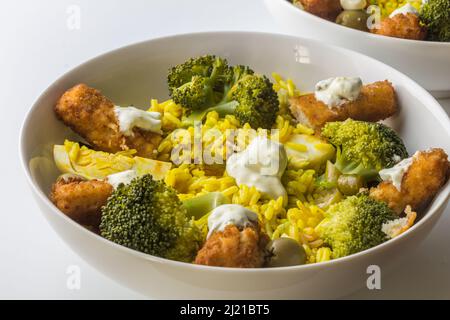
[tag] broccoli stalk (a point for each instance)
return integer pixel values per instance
(354, 224)
(222, 109)
(226, 105)
(147, 216)
(364, 148)
(435, 14)
(251, 100)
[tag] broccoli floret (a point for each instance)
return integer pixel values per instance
(146, 215)
(435, 14)
(251, 100)
(195, 94)
(200, 66)
(214, 86)
(237, 73)
(258, 102)
(364, 148)
(199, 82)
(354, 225)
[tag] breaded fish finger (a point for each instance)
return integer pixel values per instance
(405, 26)
(326, 9)
(233, 248)
(421, 182)
(377, 101)
(92, 116)
(81, 200)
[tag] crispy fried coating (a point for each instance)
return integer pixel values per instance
(377, 101)
(405, 26)
(91, 115)
(81, 200)
(326, 9)
(428, 172)
(233, 248)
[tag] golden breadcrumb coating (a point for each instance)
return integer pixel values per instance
(406, 26)
(81, 200)
(233, 248)
(327, 9)
(377, 101)
(91, 115)
(427, 174)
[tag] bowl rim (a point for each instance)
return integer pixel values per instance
(430, 103)
(391, 40)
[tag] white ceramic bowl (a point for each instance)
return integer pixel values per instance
(426, 62)
(136, 73)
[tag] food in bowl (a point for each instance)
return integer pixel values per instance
(237, 171)
(416, 20)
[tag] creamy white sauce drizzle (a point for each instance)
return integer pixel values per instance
(124, 177)
(336, 91)
(131, 117)
(407, 8)
(396, 173)
(230, 214)
(353, 4)
(260, 165)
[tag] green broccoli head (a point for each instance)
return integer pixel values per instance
(207, 83)
(238, 72)
(435, 14)
(200, 66)
(258, 102)
(251, 100)
(196, 83)
(364, 148)
(354, 225)
(197, 93)
(147, 216)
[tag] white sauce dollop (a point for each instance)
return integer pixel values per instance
(396, 173)
(124, 177)
(260, 165)
(353, 4)
(407, 8)
(336, 91)
(228, 214)
(131, 117)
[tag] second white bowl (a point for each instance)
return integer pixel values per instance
(426, 62)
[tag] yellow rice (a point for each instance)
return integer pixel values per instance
(387, 6)
(296, 219)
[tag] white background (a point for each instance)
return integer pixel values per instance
(37, 47)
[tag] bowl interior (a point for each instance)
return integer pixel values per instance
(135, 74)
